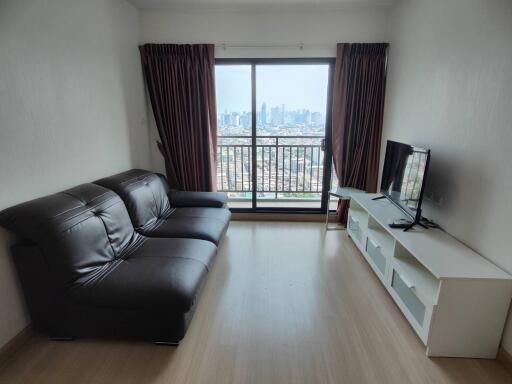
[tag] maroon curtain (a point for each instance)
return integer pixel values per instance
(357, 111)
(181, 85)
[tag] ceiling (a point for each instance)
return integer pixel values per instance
(256, 3)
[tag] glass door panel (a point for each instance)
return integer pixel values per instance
(234, 133)
(291, 105)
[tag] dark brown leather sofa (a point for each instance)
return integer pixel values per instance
(93, 264)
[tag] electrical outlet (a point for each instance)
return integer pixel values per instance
(437, 199)
(434, 198)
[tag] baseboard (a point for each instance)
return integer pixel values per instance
(259, 216)
(505, 359)
(15, 344)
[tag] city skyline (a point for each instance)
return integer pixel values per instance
(272, 116)
(269, 108)
(296, 86)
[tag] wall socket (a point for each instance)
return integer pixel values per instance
(434, 198)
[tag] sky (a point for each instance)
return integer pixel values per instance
(296, 86)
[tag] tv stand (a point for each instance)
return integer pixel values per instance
(406, 225)
(410, 226)
(454, 299)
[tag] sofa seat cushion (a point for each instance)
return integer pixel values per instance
(197, 199)
(195, 223)
(222, 215)
(161, 275)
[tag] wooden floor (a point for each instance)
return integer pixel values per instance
(284, 303)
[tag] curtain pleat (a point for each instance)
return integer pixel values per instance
(181, 85)
(357, 113)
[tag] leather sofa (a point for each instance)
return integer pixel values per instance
(94, 264)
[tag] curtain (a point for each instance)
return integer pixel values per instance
(181, 85)
(357, 112)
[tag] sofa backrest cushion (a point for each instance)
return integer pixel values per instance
(80, 231)
(144, 194)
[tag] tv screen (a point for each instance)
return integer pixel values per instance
(403, 176)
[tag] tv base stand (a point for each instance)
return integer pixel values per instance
(411, 226)
(403, 224)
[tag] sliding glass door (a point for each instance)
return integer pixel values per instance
(273, 117)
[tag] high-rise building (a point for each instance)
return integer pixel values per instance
(298, 116)
(317, 118)
(307, 117)
(264, 114)
(235, 119)
(227, 119)
(276, 116)
(245, 120)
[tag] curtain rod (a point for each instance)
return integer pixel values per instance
(300, 46)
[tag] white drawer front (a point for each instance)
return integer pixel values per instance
(355, 228)
(402, 288)
(375, 253)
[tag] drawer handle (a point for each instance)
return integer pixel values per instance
(407, 282)
(375, 245)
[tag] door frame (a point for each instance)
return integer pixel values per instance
(326, 179)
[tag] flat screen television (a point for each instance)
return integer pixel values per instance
(403, 177)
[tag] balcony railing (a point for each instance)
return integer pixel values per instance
(287, 166)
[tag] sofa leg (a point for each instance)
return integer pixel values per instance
(62, 338)
(168, 343)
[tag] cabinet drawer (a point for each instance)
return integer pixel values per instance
(403, 289)
(355, 228)
(375, 253)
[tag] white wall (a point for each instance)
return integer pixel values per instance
(72, 108)
(450, 89)
(319, 28)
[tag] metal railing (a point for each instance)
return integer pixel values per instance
(289, 165)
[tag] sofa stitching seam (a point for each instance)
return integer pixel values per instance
(86, 218)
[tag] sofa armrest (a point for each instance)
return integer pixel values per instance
(197, 199)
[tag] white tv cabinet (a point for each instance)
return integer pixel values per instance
(455, 300)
